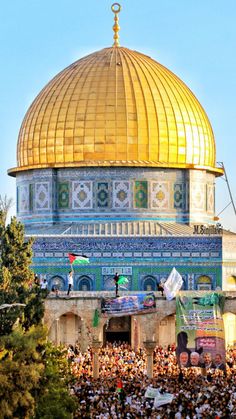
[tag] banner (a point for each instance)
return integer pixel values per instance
(173, 284)
(200, 330)
(129, 304)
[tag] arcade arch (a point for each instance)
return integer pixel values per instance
(231, 283)
(166, 332)
(117, 329)
(65, 329)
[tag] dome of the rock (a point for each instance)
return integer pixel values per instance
(116, 107)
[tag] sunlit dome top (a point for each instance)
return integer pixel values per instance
(116, 107)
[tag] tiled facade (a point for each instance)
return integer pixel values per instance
(113, 197)
(71, 195)
(145, 261)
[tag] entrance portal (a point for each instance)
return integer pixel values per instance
(118, 329)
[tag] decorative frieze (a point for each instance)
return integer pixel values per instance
(157, 245)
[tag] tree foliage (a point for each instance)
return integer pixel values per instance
(20, 370)
(54, 400)
(34, 377)
(17, 279)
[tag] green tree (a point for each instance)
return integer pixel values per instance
(21, 367)
(53, 398)
(34, 377)
(17, 279)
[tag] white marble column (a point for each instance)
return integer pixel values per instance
(96, 344)
(149, 345)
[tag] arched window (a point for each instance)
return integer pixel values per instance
(149, 283)
(84, 283)
(58, 282)
(231, 283)
(204, 282)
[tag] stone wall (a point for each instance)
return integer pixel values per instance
(77, 313)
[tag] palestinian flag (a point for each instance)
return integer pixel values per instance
(76, 259)
(122, 280)
(119, 385)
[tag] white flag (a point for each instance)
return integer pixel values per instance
(151, 392)
(173, 284)
(161, 399)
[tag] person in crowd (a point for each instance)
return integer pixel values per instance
(195, 359)
(194, 396)
(207, 361)
(55, 290)
(219, 364)
(160, 287)
(116, 279)
(70, 280)
(44, 284)
(184, 359)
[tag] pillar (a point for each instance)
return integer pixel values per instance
(96, 344)
(57, 332)
(135, 334)
(149, 345)
(84, 336)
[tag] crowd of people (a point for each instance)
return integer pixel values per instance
(198, 393)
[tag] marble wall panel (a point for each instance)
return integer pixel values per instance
(23, 195)
(82, 195)
(160, 195)
(179, 196)
(102, 195)
(141, 194)
(63, 197)
(121, 194)
(198, 196)
(42, 196)
(210, 198)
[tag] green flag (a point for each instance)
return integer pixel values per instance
(122, 280)
(96, 318)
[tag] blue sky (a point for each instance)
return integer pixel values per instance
(194, 39)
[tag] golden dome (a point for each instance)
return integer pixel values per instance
(116, 107)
